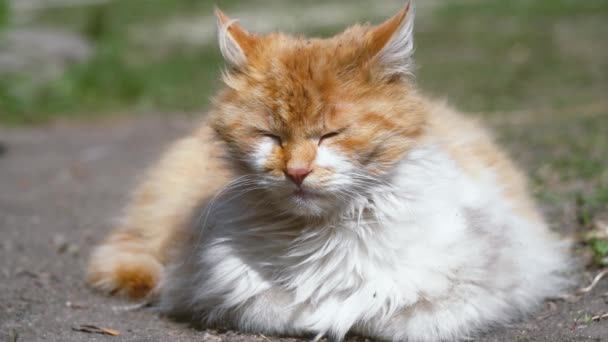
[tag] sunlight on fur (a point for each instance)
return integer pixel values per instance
(323, 195)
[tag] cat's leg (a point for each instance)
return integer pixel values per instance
(130, 261)
(270, 312)
(442, 320)
(468, 309)
(218, 286)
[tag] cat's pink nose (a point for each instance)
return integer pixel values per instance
(297, 175)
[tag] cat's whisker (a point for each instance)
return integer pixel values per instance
(239, 181)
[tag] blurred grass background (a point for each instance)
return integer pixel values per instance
(536, 70)
(485, 55)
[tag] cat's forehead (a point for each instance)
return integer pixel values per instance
(306, 57)
(298, 84)
(300, 106)
(304, 84)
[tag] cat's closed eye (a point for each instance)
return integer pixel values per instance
(277, 139)
(328, 136)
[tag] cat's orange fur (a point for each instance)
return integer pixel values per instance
(130, 261)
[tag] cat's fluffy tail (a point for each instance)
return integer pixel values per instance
(122, 266)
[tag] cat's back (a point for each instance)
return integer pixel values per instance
(476, 153)
(198, 159)
(195, 167)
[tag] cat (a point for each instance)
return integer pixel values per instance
(324, 195)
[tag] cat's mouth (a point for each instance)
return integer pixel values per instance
(304, 194)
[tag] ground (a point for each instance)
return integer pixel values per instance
(534, 71)
(62, 186)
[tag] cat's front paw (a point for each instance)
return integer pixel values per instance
(118, 270)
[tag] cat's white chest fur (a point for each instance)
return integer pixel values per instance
(432, 257)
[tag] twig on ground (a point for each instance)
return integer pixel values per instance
(599, 317)
(93, 329)
(594, 282)
(584, 290)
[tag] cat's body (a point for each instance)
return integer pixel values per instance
(330, 197)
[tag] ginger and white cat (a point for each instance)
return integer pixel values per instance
(324, 195)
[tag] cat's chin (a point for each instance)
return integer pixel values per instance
(304, 195)
(307, 203)
(307, 209)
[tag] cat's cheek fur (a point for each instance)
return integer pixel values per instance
(261, 154)
(332, 159)
(339, 172)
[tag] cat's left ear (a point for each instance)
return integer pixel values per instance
(236, 43)
(392, 44)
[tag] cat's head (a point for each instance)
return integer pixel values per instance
(318, 123)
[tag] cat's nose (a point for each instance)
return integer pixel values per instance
(297, 175)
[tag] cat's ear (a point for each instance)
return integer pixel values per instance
(236, 44)
(392, 44)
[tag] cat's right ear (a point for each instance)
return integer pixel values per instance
(236, 44)
(392, 44)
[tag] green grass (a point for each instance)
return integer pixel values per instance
(4, 15)
(107, 84)
(505, 55)
(484, 55)
(122, 75)
(128, 73)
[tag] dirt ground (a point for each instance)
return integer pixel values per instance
(60, 188)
